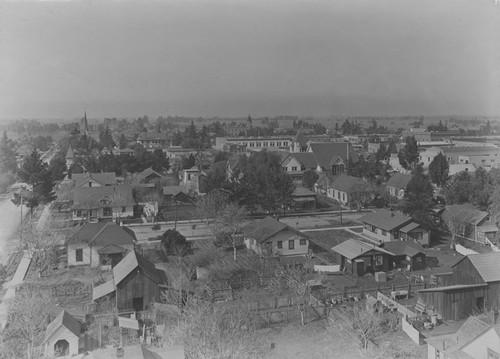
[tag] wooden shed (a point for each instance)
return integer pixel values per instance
(358, 257)
(474, 284)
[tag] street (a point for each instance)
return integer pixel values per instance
(195, 230)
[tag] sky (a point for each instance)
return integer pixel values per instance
(237, 58)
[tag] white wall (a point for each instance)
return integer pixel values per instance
(478, 348)
(62, 333)
(71, 253)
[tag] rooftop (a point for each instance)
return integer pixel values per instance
(385, 219)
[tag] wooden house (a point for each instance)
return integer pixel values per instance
(477, 225)
(304, 198)
(136, 283)
(357, 257)
(349, 190)
(473, 284)
(148, 178)
(296, 163)
(269, 236)
(385, 226)
(104, 202)
(406, 254)
(477, 337)
(97, 179)
(62, 336)
(101, 243)
(396, 185)
(332, 157)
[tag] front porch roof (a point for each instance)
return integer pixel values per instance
(111, 249)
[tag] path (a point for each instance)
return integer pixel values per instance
(11, 286)
(9, 224)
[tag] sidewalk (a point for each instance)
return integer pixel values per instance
(17, 279)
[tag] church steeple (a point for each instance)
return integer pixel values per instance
(84, 125)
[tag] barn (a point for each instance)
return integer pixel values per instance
(473, 284)
(136, 283)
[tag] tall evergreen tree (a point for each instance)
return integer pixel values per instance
(7, 155)
(439, 170)
(418, 195)
(409, 156)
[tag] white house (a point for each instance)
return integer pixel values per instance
(269, 236)
(62, 336)
(105, 202)
(101, 243)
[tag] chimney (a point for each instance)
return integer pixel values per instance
(392, 213)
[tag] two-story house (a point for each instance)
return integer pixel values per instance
(271, 237)
(296, 163)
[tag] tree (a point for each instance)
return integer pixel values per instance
(41, 242)
(174, 243)
(418, 194)
(188, 162)
(160, 161)
(455, 220)
(58, 167)
(27, 321)
(309, 178)
(7, 155)
(361, 327)
(228, 223)
(106, 138)
(123, 142)
(36, 173)
(460, 189)
(439, 170)
(408, 155)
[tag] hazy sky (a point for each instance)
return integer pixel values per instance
(240, 57)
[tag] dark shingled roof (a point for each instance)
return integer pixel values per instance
(134, 260)
(326, 153)
(306, 159)
(385, 219)
(398, 180)
(263, 229)
(66, 320)
(347, 184)
(103, 178)
(400, 248)
(466, 212)
(102, 234)
(90, 197)
(146, 173)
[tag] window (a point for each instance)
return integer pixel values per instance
(79, 254)
(279, 244)
(291, 244)
(107, 212)
(419, 259)
(78, 213)
(303, 241)
(124, 209)
(379, 260)
(384, 233)
(294, 168)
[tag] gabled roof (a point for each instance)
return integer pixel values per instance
(111, 249)
(385, 219)
(487, 265)
(353, 248)
(90, 197)
(66, 320)
(300, 138)
(133, 261)
(146, 173)
(466, 212)
(103, 178)
(103, 289)
(263, 229)
(174, 190)
(102, 234)
(327, 152)
(409, 227)
(406, 248)
(69, 153)
(347, 183)
(306, 159)
(398, 180)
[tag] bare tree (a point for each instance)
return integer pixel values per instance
(41, 242)
(229, 222)
(361, 327)
(27, 321)
(456, 223)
